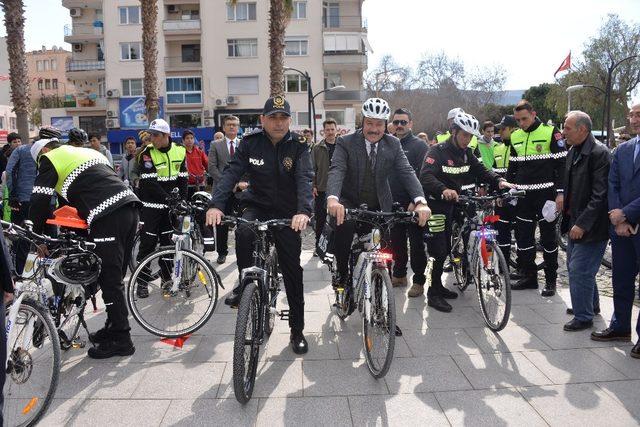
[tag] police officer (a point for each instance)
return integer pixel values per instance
(449, 168)
(443, 137)
(536, 165)
(162, 168)
(501, 154)
(84, 179)
(278, 164)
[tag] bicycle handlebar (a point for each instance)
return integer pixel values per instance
(279, 222)
(511, 194)
(42, 238)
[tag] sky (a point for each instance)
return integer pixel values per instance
(477, 32)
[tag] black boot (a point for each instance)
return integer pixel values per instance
(439, 303)
(298, 342)
(113, 346)
(447, 294)
(234, 299)
(549, 289)
(527, 282)
(517, 274)
(101, 335)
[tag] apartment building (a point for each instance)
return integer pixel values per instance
(213, 60)
(47, 74)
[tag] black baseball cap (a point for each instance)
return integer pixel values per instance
(507, 121)
(276, 105)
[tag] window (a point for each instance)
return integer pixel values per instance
(13, 124)
(93, 124)
(296, 47)
(47, 84)
(303, 118)
(299, 10)
(242, 85)
(242, 48)
(129, 15)
(54, 65)
(337, 115)
(184, 90)
(132, 87)
(40, 87)
(295, 83)
(185, 120)
(332, 80)
(130, 51)
(54, 84)
(241, 11)
(1, 122)
(39, 66)
(190, 53)
(330, 15)
(46, 65)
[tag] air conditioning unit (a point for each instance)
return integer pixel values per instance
(113, 123)
(232, 100)
(77, 47)
(221, 102)
(113, 93)
(172, 8)
(208, 114)
(208, 122)
(112, 113)
(75, 12)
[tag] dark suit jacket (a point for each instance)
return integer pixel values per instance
(346, 174)
(585, 190)
(218, 159)
(624, 182)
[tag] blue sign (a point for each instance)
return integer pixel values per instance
(117, 137)
(133, 113)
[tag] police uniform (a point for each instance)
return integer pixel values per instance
(444, 137)
(280, 176)
(536, 165)
(506, 212)
(447, 167)
(84, 179)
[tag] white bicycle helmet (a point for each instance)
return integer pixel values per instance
(454, 112)
(376, 108)
(467, 123)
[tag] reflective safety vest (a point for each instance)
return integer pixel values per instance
(168, 164)
(445, 136)
(501, 158)
(536, 143)
(487, 153)
(70, 162)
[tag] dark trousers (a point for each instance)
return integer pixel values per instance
(528, 216)
(288, 246)
(418, 255)
(625, 257)
(437, 237)
(504, 226)
(3, 354)
(222, 231)
(113, 235)
(320, 213)
(156, 226)
(22, 246)
(343, 238)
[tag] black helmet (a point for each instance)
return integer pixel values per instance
(49, 132)
(201, 199)
(82, 268)
(78, 136)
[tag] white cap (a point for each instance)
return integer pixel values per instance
(37, 146)
(454, 112)
(160, 125)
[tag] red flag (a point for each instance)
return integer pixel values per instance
(566, 64)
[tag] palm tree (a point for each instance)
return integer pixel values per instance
(279, 14)
(18, 75)
(149, 13)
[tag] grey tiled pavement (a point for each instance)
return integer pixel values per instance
(448, 370)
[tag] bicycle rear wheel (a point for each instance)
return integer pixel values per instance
(494, 287)
(378, 328)
(246, 344)
(34, 365)
(173, 314)
(606, 259)
(133, 260)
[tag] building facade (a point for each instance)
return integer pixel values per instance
(213, 60)
(47, 74)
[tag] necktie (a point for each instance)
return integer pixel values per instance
(231, 149)
(372, 157)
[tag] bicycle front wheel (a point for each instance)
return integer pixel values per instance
(168, 310)
(133, 260)
(33, 365)
(246, 344)
(379, 325)
(494, 287)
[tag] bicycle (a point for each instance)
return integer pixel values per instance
(257, 311)
(370, 291)
(182, 286)
(479, 257)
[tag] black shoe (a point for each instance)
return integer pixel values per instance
(577, 325)
(596, 310)
(398, 331)
(529, 282)
(221, 259)
(517, 274)
(549, 290)
(439, 303)
(635, 351)
(298, 343)
(112, 347)
(100, 336)
(142, 291)
(610, 335)
(233, 300)
(447, 294)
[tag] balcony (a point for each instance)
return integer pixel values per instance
(176, 63)
(83, 33)
(93, 4)
(345, 51)
(85, 102)
(344, 23)
(177, 28)
(78, 69)
(345, 95)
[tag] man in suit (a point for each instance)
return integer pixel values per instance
(364, 160)
(219, 154)
(584, 216)
(624, 214)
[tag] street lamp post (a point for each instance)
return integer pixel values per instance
(309, 92)
(313, 105)
(607, 94)
(582, 86)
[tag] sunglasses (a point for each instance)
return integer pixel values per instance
(400, 122)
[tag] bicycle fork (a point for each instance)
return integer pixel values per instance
(11, 330)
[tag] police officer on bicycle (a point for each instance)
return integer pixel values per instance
(448, 169)
(278, 164)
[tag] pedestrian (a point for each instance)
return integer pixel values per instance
(126, 172)
(197, 163)
(13, 142)
(584, 215)
(321, 154)
(506, 211)
(95, 143)
(624, 214)
(218, 136)
(486, 145)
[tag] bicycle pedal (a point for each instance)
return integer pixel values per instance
(284, 314)
(78, 344)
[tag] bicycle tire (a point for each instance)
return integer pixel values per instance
(135, 249)
(244, 371)
(505, 283)
(606, 258)
(52, 333)
(381, 291)
(204, 273)
(458, 257)
(273, 287)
